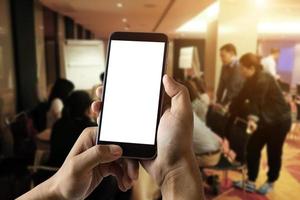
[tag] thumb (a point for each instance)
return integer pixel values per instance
(180, 99)
(96, 155)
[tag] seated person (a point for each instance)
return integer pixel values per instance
(76, 117)
(45, 114)
(199, 98)
(208, 146)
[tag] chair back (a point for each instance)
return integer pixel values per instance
(23, 136)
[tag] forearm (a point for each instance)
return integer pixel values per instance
(44, 190)
(183, 183)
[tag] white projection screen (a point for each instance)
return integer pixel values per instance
(84, 62)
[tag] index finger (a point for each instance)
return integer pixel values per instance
(86, 140)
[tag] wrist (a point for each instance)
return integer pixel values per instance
(49, 189)
(183, 181)
(45, 190)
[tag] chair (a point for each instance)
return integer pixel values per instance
(225, 165)
(238, 140)
(38, 165)
(23, 136)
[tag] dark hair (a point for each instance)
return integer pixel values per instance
(77, 104)
(275, 50)
(200, 84)
(250, 59)
(229, 48)
(61, 89)
(192, 90)
(102, 77)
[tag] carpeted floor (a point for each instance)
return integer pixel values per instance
(286, 188)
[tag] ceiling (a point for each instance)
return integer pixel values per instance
(284, 15)
(106, 16)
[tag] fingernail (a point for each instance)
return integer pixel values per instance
(115, 150)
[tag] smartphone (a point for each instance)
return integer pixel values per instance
(132, 93)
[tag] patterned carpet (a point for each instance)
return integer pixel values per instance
(286, 188)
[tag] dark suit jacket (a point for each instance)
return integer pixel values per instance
(230, 83)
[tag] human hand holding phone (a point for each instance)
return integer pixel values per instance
(83, 170)
(174, 169)
(130, 117)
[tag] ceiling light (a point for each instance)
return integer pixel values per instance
(288, 27)
(124, 20)
(193, 26)
(260, 3)
(119, 5)
(199, 23)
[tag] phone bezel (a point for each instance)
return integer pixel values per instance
(133, 150)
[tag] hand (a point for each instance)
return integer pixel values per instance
(251, 126)
(87, 164)
(84, 168)
(174, 169)
(219, 108)
(174, 137)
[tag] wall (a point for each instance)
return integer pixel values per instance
(7, 78)
(24, 53)
(288, 65)
(40, 53)
(296, 69)
(170, 59)
(236, 24)
(210, 55)
(61, 45)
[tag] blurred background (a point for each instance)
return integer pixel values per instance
(51, 49)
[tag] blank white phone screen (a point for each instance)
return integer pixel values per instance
(132, 92)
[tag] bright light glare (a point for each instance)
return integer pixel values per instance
(260, 3)
(119, 5)
(278, 27)
(199, 23)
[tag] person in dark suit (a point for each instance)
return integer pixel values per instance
(231, 81)
(262, 104)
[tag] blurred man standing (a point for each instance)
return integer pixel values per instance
(269, 62)
(231, 81)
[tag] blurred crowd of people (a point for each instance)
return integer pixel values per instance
(250, 108)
